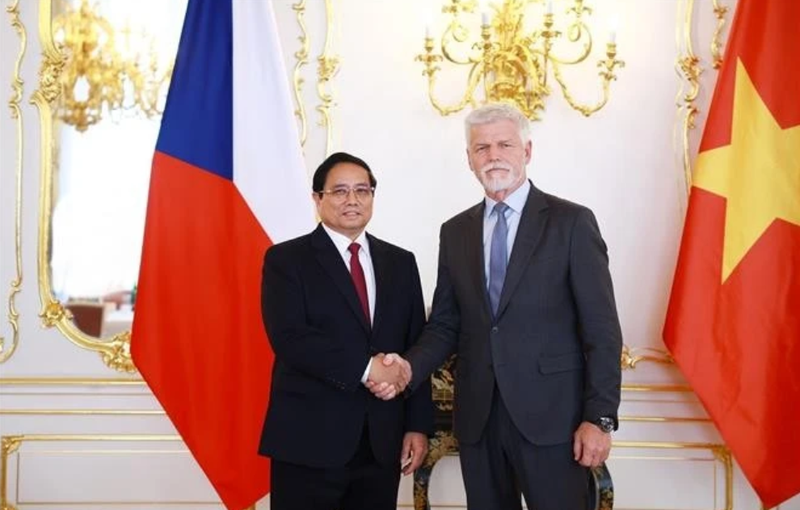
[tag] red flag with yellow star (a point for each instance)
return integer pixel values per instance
(733, 323)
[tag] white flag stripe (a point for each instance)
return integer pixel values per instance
(268, 166)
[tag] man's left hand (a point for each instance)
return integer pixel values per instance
(591, 445)
(415, 447)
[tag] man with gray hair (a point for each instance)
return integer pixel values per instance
(524, 297)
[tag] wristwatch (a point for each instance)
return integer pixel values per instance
(606, 424)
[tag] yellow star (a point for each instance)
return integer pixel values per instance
(758, 173)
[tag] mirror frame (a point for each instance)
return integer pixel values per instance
(114, 351)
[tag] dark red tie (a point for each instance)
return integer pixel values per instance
(357, 273)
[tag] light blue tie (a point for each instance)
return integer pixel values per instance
(498, 257)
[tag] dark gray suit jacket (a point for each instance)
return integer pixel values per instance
(554, 349)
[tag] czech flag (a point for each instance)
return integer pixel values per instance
(227, 181)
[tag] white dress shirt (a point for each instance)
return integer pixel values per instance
(515, 202)
(342, 244)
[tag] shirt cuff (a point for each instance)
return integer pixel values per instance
(366, 372)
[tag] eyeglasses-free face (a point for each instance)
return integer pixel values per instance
(498, 157)
(345, 203)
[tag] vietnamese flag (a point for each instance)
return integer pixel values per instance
(227, 181)
(733, 323)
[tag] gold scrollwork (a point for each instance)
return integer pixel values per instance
(630, 357)
(442, 383)
(688, 67)
(118, 355)
(716, 46)
(6, 351)
(115, 352)
(687, 125)
(441, 444)
(52, 313)
(301, 56)
(327, 67)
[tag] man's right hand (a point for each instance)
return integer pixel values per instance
(389, 375)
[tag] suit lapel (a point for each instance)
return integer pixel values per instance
(473, 254)
(529, 233)
(383, 281)
(331, 261)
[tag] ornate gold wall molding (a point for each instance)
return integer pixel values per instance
(632, 356)
(301, 56)
(10, 444)
(68, 381)
(719, 451)
(7, 350)
(657, 388)
(688, 67)
(115, 352)
(81, 412)
(328, 66)
(716, 46)
(664, 419)
(444, 443)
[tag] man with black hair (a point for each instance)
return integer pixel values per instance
(332, 301)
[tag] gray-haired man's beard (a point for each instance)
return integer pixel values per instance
(497, 181)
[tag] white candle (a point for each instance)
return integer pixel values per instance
(549, 7)
(485, 18)
(613, 25)
(427, 20)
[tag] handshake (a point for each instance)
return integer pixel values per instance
(389, 374)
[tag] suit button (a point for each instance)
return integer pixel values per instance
(495, 329)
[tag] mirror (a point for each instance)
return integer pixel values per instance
(104, 74)
(104, 79)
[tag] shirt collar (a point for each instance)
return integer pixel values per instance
(342, 242)
(515, 201)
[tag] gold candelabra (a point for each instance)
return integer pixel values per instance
(106, 75)
(511, 61)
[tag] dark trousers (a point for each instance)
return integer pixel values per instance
(362, 484)
(503, 465)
